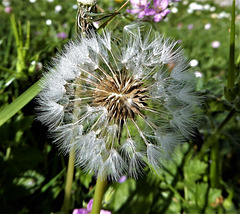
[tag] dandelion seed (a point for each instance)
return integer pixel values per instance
(119, 106)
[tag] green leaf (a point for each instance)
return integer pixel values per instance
(193, 170)
(30, 180)
(8, 111)
(122, 193)
(52, 181)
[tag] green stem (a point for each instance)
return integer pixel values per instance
(68, 186)
(214, 167)
(231, 74)
(230, 91)
(98, 195)
(214, 156)
(211, 139)
(117, 12)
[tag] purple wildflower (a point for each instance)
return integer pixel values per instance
(80, 211)
(143, 8)
(8, 9)
(190, 26)
(89, 209)
(62, 35)
(160, 7)
(139, 6)
(122, 179)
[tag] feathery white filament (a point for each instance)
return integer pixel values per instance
(119, 106)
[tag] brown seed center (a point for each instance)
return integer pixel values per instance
(123, 97)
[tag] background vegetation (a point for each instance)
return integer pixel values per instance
(204, 175)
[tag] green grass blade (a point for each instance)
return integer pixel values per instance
(8, 111)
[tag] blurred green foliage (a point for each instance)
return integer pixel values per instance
(32, 170)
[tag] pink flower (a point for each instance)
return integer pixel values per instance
(139, 6)
(122, 179)
(190, 26)
(142, 7)
(215, 44)
(8, 9)
(160, 7)
(89, 209)
(62, 35)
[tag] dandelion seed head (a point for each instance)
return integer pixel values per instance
(122, 106)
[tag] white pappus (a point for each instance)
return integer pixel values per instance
(119, 106)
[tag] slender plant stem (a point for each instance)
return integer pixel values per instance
(231, 74)
(117, 12)
(211, 139)
(214, 168)
(68, 186)
(98, 195)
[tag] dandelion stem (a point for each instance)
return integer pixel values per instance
(68, 186)
(98, 195)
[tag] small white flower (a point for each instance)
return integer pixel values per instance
(207, 26)
(120, 106)
(215, 44)
(198, 74)
(193, 63)
(206, 6)
(174, 10)
(190, 11)
(212, 9)
(32, 1)
(195, 6)
(58, 8)
(223, 14)
(75, 7)
(43, 13)
(48, 22)
(6, 3)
